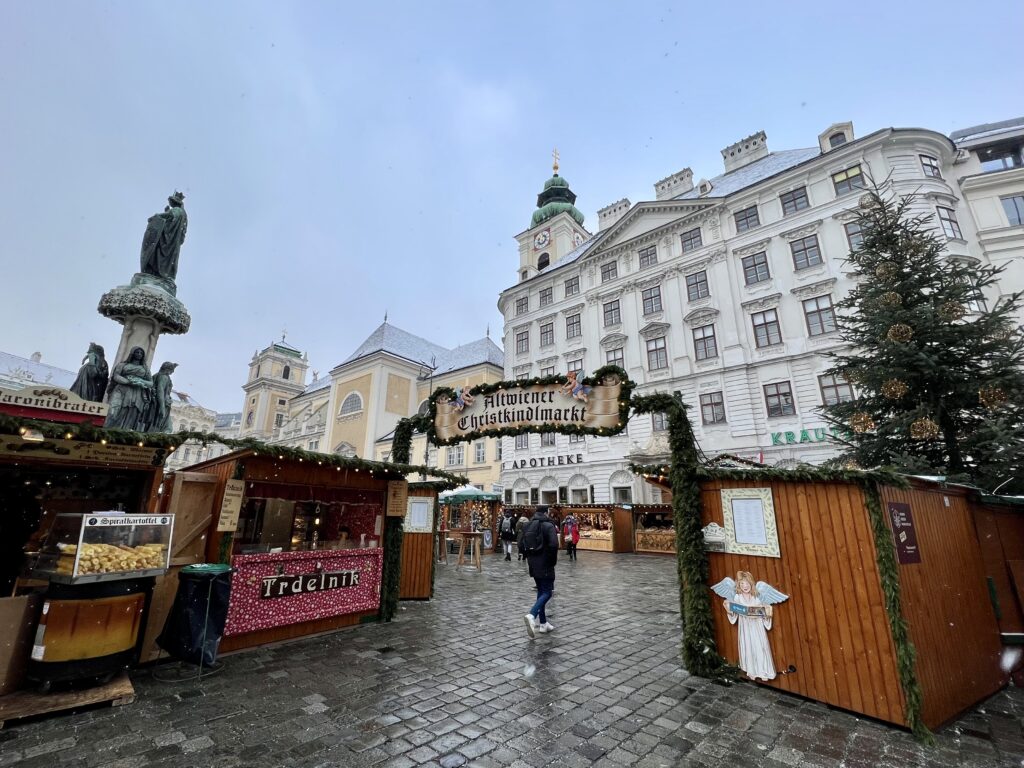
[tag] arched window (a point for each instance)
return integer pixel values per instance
(424, 407)
(836, 140)
(543, 261)
(249, 418)
(286, 373)
(353, 403)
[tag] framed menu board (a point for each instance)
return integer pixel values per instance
(749, 522)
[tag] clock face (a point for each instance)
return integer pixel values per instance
(542, 239)
(577, 238)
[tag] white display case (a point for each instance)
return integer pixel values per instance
(83, 548)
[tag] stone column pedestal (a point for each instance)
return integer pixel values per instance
(147, 308)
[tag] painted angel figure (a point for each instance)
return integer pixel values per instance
(462, 398)
(750, 604)
(575, 386)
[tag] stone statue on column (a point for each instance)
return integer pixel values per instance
(91, 383)
(148, 306)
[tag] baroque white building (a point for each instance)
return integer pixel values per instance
(721, 290)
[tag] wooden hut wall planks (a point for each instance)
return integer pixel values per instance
(830, 637)
(946, 603)
(417, 579)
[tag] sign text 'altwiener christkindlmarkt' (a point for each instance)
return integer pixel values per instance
(571, 404)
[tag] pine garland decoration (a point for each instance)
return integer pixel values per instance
(700, 653)
(906, 654)
(392, 574)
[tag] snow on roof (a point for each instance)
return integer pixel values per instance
(986, 129)
(317, 384)
(17, 372)
(388, 338)
(392, 340)
(475, 352)
(227, 419)
(575, 253)
(755, 172)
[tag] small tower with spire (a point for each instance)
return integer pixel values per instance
(556, 227)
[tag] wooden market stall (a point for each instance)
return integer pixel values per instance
(999, 521)
(467, 508)
(306, 540)
(653, 529)
(81, 545)
(795, 570)
(602, 528)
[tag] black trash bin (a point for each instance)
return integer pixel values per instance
(196, 622)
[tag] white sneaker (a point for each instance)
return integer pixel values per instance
(531, 625)
(546, 627)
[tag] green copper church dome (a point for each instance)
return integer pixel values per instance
(555, 199)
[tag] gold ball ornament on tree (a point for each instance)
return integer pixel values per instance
(900, 333)
(886, 271)
(851, 464)
(894, 389)
(991, 396)
(952, 311)
(890, 300)
(924, 429)
(861, 423)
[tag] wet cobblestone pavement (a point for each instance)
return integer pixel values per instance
(456, 682)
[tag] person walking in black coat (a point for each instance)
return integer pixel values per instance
(540, 543)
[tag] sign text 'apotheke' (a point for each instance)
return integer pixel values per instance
(544, 461)
(287, 586)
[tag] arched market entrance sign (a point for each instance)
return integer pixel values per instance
(600, 404)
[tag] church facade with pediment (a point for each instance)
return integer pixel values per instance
(721, 290)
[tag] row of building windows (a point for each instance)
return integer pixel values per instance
(793, 201)
(805, 251)
(819, 315)
(778, 401)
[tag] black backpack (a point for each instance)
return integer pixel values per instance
(533, 537)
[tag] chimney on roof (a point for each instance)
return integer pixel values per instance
(612, 213)
(675, 185)
(745, 151)
(36, 357)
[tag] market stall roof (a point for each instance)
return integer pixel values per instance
(12, 425)
(467, 493)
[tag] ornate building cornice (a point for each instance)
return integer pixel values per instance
(813, 289)
(746, 250)
(807, 229)
(759, 305)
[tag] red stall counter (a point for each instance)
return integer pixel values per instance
(277, 589)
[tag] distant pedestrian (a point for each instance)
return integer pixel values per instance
(520, 527)
(570, 535)
(507, 533)
(540, 545)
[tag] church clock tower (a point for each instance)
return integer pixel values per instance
(276, 375)
(556, 227)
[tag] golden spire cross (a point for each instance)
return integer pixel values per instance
(554, 154)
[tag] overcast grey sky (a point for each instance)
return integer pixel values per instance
(341, 160)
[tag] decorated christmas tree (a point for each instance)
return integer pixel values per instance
(938, 375)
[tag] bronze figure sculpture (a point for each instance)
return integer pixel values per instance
(165, 233)
(131, 388)
(91, 383)
(159, 414)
